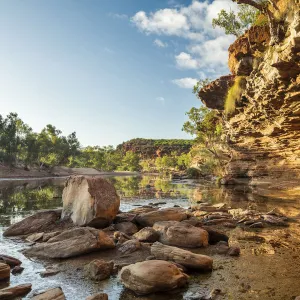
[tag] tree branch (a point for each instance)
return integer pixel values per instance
(251, 3)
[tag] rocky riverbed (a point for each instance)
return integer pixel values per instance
(216, 243)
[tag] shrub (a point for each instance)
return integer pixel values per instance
(261, 20)
(234, 94)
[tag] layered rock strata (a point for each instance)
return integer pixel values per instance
(264, 131)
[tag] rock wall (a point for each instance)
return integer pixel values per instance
(264, 131)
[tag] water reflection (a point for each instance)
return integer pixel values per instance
(259, 258)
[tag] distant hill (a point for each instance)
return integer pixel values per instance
(152, 148)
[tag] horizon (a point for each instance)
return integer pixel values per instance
(110, 71)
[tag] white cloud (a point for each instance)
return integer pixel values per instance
(165, 21)
(160, 43)
(206, 51)
(185, 83)
(191, 22)
(185, 61)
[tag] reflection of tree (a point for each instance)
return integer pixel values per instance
(24, 198)
(126, 186)
(149, 187)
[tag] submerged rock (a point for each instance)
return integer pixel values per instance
(100, 296)
(181, 234)
(51, 294)
(72, 242)
(17, 270)
(152, 276)
(99, 269)
(49, 272)
(166, 214)
(91, 201)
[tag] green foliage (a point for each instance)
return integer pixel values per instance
(261, 20)
(200, 84)
(234, 94)
(18, 143)
(20, 146)
(204, 124)
(236, 24)
(130, 162)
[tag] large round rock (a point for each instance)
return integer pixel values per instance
(91, 201)
(152, 276)
(181, 234)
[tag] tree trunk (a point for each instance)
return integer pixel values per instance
(183, 257)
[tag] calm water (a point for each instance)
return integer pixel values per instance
(262, 272)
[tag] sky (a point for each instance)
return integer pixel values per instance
(111, 70)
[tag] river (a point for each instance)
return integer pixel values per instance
(268, 267)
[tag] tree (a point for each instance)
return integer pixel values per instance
(199, 85)
(236, 24)
(130, 162)
(266, 7)
(206, 126)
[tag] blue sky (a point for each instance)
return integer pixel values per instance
(111, 70)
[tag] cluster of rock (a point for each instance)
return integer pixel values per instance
(163, 231)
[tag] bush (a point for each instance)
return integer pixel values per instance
(261, 20)
(234, 94)
(193, 173)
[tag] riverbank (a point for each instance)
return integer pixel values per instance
(19, 173)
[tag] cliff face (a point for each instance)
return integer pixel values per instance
(264, 131)
(149, 148)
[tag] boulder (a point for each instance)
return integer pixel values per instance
(100, 296)
(152, 276)
(165, 214)
(38, 222)
(124, 217)
(185, 258)
(49, 272)
(72, 242)
(147, 235)
(99, 269)
(11, 261)
(90, 201)
(51, 294)
(126, 227)
(181, 234)
(129, 246)
(17, 270)
(15, 292)
(4, 271)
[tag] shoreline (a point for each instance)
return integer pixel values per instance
(57, 172)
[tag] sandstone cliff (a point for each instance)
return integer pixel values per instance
(264, 131)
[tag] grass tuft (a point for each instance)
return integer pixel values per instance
(234, 94)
